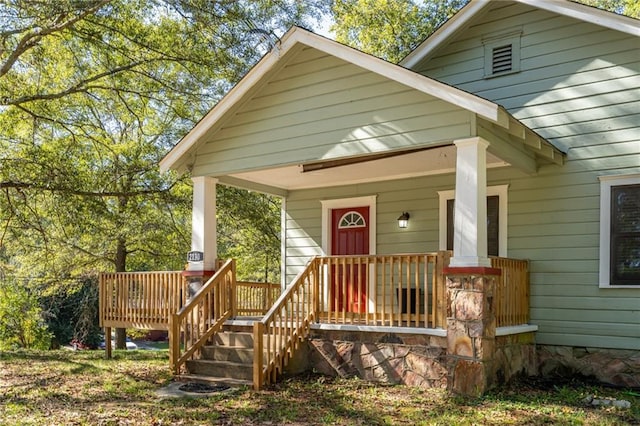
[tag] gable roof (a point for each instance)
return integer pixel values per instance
(476, 8)
(293, 42)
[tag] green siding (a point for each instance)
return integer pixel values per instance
(320, 107)
(579, 87)
(419, 196)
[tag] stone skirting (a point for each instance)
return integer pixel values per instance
(411, 359)
(515, 356)
(422, 360)
(613, 366)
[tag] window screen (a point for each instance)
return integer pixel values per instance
(625, 235)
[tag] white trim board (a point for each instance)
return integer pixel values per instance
(606, 182)
(342, 203)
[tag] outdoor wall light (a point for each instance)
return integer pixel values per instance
(403, 220)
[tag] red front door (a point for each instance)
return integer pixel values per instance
(349, 236)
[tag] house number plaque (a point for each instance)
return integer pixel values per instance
(195, 256)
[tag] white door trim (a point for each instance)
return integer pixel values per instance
(342, 203)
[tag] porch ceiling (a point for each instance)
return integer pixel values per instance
(427, 162)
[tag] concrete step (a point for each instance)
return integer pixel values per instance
(220, 369)
(235, 339)
(234, 383)
(236, 354)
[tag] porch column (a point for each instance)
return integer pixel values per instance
(470, 214)
(203, 223)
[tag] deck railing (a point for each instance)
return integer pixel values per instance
(511, 294)
(402, 290)
(279, 333)
(405, 290)
(202, 316)
(255, 299)
(142, 300)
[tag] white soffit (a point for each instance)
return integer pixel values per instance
(429, 162)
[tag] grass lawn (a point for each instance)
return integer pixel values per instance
(77, 388)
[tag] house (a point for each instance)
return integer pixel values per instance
(526, 113)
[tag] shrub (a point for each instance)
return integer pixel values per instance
(21, 321)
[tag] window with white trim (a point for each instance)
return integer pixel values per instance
(496, 220)
(620, 231)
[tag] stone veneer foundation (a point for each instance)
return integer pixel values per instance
(613, 366)
(411, 359)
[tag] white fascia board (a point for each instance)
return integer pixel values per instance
(590, 14)
(444, 32)
(231, 99)
(414, 80)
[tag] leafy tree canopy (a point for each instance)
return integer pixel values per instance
(92, 94)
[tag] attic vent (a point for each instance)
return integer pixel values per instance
(502, 59)
(501, 54)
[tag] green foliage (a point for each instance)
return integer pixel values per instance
(71, 311)
(389, 29)
(249, 231)
(623, 7)
(21, 321)
(93, 94)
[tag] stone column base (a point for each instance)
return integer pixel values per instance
(471, 327)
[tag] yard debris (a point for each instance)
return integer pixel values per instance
(606, 402)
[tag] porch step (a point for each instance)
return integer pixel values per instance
(237, 354)
(235, 339)
(220, 369)
(228, 358)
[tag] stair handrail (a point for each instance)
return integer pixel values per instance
(202, 316)
(280, 332)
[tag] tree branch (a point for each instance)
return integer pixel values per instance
(33, 37)
(81, 86)
(72, 191)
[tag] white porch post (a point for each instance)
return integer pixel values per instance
(203, 223)
(470, 215)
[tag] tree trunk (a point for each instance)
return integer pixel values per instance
(121, 266)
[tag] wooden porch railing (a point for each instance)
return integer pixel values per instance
(511, 295)
(279, 333)
(255, 299)
(202, 316)
(142, 300)
(405, 290)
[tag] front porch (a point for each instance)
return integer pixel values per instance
(399, 293)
